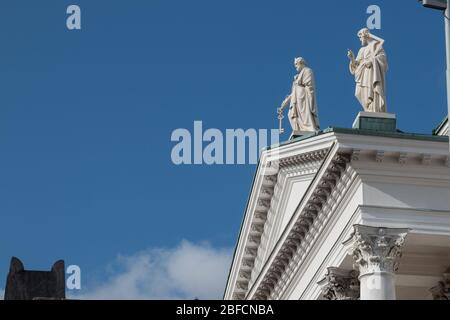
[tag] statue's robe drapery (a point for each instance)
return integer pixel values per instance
(370, 82)
(303, 114)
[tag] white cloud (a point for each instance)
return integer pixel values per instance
(2, 294)
(186, 272)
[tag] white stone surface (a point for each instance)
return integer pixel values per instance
(443, 130)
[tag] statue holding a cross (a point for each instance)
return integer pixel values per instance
(303, 114)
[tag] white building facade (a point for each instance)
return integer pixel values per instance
(348, 214)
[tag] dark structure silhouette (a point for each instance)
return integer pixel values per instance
(22, 284)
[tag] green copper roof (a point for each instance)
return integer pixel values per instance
(396, 135)
(374, 133)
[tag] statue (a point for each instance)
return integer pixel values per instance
(303, 114)
(369, 69)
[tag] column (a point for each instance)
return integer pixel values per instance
(376, 252)
(340, 284)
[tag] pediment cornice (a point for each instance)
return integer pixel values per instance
(297, 237)
(260, 202)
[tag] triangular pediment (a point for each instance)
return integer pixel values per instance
(274, 198)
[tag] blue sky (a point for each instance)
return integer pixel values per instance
(86, 116)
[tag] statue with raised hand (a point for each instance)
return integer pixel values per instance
(369, 68)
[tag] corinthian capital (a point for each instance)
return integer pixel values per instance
(340, 284)
(442, 290)
(376, 249)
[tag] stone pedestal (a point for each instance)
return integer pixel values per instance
(376, 252)
(377, 121)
